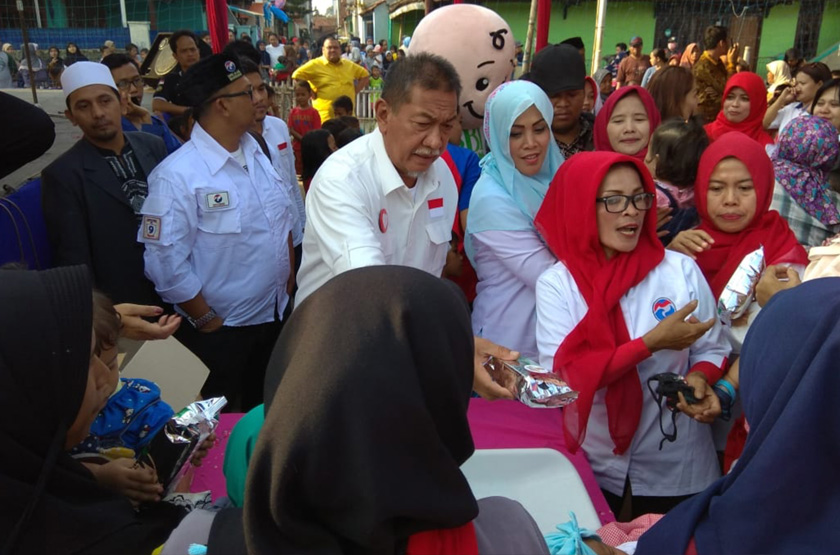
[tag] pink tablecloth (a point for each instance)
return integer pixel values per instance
(494, 424)
(512, 425)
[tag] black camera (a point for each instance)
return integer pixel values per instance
(668, 386)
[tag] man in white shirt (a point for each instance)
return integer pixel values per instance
(387, 198)
(275, 132)
(274, 49)
(217, 228)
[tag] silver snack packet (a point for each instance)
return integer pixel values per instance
(534, 385)
(172, 448)
(739, 291)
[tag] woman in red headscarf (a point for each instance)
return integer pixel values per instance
(626, 122)
(611, 314)
(733, 192)
(744, 105)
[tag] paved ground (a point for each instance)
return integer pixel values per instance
(52, 101)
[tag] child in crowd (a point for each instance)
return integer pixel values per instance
(375, 78)
(351, 121)
(335, 126)
(347, 136)
(181, 125)
(128, 422)
(315, 147)
(672, 159)
(342, 106)
(303, 118)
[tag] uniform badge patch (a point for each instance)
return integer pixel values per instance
(218, 200)
(383, 220)
(151, 228)
(662, 308)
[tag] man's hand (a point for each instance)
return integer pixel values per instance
(675, 333)
(135, 327)
(136, 114)
(690, 242)
(130, 478)
(707, 407)
(733, 53)
(774, 279)
(483, 384)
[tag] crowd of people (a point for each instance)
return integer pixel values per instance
(346, 288)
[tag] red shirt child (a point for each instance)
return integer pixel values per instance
(303, 118)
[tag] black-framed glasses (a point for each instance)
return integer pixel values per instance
(618, 203)
(126, 83)
(249, 91)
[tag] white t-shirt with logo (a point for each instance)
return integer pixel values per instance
(687, 465)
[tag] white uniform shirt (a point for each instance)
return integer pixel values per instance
(212, 227)
(787, 115)
(276, 135)
(360, 213)
(508, 264)
(689, 464)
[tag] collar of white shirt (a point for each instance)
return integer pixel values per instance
(214, 154)
(389, 178)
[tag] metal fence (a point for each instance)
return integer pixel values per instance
(284, 100)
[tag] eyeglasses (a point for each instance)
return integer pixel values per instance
(126, 83)
(616, 204)
(249, 91)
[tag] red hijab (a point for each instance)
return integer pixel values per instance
(753, 126)
(567, 221)
(767, 228)
(602, 139)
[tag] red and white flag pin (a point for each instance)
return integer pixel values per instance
(436, 208)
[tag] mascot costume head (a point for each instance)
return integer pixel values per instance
(478, 43)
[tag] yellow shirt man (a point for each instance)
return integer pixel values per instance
(331, 76)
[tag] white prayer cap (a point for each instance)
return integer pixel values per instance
(82, 74)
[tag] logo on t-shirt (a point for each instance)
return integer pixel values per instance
(662, 308)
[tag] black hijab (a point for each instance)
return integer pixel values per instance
(366, 419)
(50, 503)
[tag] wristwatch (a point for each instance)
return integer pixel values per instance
(199, 323)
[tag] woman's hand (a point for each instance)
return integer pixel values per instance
(707, 407)
(774, 279)
(675, 333)
(691, 241)
(135, 327)
(203, 449)
(130, 478)
(663, 216)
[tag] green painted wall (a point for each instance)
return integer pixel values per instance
(830, 30)
(624, 20)
(777, 35)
